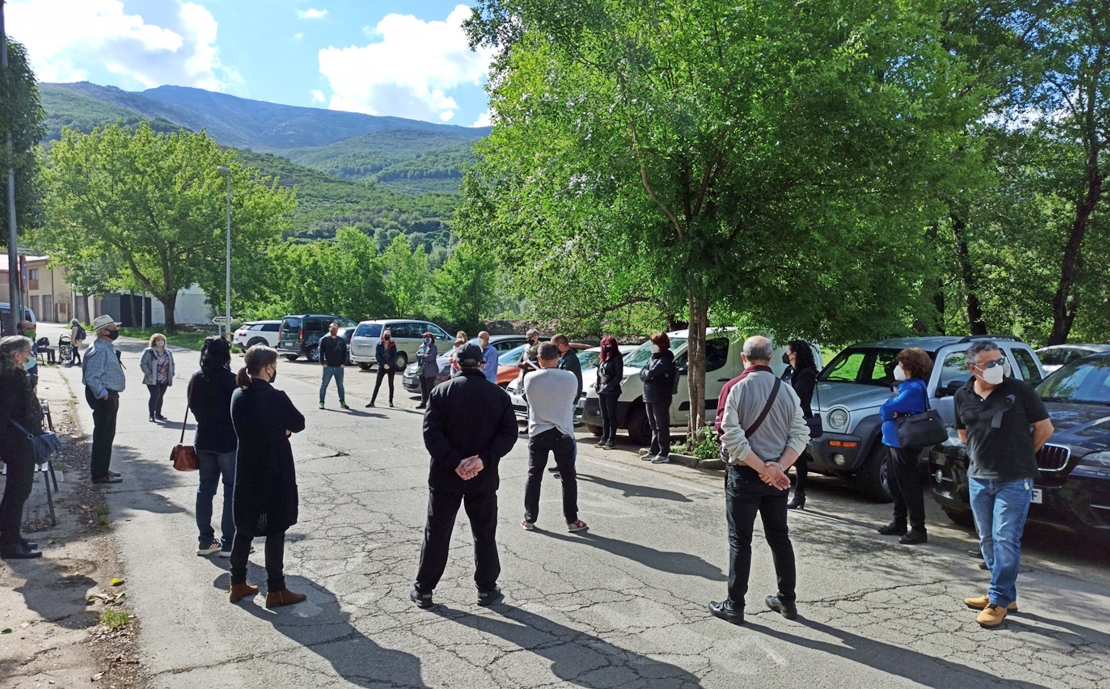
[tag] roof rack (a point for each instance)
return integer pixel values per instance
(1008, 338)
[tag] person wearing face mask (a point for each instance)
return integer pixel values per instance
(802, 376)
(1004, 423)
(18, 405)
(27, 329)
(333, 356)
(610, 373)
(427, 367)
(264, 501)
(911, 372)
(102, 374)
(659, 382)
(529, 359)
(386, 354)
(156, 364)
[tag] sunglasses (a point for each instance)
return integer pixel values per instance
(992, 364)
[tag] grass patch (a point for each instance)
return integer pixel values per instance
(102, 516)
(114, 618)
(190, 339)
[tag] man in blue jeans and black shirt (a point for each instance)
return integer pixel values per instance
(1004, 423)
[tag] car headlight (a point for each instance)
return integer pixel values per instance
(837, 419)
(1097, 459)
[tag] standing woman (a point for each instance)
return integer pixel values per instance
(76, 335)
(460, 342)
(911, 397)
(659, 382)
(426, 360)
(386, 354)
(157, 367)
(265, 501)
(18, 405)
(610, 373)
(210, 392)
(803, 378)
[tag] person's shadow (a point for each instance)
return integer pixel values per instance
(675, 562)
(631, 490)
(576, 657)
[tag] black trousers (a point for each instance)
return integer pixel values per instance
(659, 418)
(275, 560)
(801, 467)
(608, 404)
(75, 358)
(17, 488)
(539, 447)
(381, 374)
(104, 430)
(157, 393)
(745, 497)
(425, 389)
(443, 506)
(905, 486)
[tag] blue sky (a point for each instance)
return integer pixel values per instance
(406, 58)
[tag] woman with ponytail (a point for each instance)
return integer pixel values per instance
(265, 499)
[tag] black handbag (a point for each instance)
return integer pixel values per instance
(815, 427)
(43, 445)
(921, 430)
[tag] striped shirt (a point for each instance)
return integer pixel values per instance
(101, 370)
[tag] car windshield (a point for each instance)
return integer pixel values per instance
(1086, 381)
(862, 365)
(345, 322)
(640, 357)
(589, 358)
(511, 357)
(369, 330)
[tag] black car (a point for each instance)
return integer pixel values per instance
(299, 335)
(1073, 488)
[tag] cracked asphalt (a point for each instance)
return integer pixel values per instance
(622, 605)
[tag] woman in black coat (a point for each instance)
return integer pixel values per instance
(18, 405)
(265, 500)
(659, 383)
(803, 378)
(428, 367)
(386, 355)
(610, 373)
(210, 391)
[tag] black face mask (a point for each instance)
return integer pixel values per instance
(274, 377)
(113, 334)
(786, 358)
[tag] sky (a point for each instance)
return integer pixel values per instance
(405, 58)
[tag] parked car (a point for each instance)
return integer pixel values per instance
(5, 317)
(257, 332)
(347, 334)
(1073, 488)
(407, 335)
(855, 384)
(520, 403)
(507, 362)
(298, 335)
(1052, 358)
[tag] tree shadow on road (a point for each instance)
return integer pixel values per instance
(674, 562)
(632, 490)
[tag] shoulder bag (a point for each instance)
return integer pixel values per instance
(921, 430)
(184, 457)
(43, 444)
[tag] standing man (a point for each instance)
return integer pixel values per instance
(102, 374)
(27, 329)
(568, 361)
(764, 432)
(489, 357)
(1004, 423)
(468, 428)
(529, 359)
(333, 357)
(550, 394)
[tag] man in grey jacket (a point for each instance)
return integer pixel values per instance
(764, 432)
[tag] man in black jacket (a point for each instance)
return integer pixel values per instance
(468, 427)
(333, 356)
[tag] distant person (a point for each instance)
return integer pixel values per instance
(911, 372)
(102, 374)
(764, 433)
(427, 367)
(386, 355)
(27, 329)
(469, 426)
(452, 357)
(489, 357)
(568, 361)
(265, 501)
(659, 377)
(529, 358)
(551, 394)
(18, 405)
(1004, 424)
(333, 357)
(610, 373)
(156, 363)
(803, 378)
(209, 395)
(76, 337)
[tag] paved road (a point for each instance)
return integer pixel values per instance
(620, 606)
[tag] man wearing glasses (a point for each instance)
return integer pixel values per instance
(1003, 423)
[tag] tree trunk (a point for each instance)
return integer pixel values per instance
(967, 276)
(1065, 302)
(168, 303)
(695, 349)
(933, 288)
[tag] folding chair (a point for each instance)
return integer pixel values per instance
(47, 469)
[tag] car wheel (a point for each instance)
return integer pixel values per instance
(639, 430)
(873, 478)
(314, 354)
(364, 367)
(400, 362)
(291, 357)
(960, 517)
(256, 341)
(594, 430)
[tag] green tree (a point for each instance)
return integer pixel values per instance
(464, 290)
(406, 277)
(22, 115)
(156, 203)
(342, 277)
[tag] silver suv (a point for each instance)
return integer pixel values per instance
(855, 384)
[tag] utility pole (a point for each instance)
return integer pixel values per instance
(227, 283)
(13, 241)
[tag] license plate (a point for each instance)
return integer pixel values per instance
(1038, 496)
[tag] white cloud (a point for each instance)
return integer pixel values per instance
(484, 120)
(318, 96)
(312, 14)
(409, 72)
(173, 43)
(298, 37)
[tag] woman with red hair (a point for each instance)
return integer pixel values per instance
(610, 372)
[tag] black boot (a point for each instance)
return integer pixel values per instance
(895, 528)
(914, 536)
(798, 502)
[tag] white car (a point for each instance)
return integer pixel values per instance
(1055, 357)
(589, 359)
(257, 332)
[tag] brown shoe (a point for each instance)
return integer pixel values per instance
(991, 616)
(276, 599)
(981, 602)
(240, 591)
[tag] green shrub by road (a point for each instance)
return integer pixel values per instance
(188, 339)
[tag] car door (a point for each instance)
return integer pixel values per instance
(717, 366)
(1025, 365)
(270, 332)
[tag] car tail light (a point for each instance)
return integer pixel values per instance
(302, 335)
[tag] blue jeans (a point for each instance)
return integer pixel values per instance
(1000, 509)
(329, 373)
(213, 465)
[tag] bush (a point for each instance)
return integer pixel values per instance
(702, 445)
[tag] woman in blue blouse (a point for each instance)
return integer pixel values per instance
(911, 397)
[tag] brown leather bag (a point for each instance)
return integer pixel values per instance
(184, 457)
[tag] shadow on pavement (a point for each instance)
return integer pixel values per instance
(631, 490)
(55, 590)
(662, 560)
(577, 657)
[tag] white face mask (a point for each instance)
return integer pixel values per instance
(899, 373)
(655, 349)
(993, 375)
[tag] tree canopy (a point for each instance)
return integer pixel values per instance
(22, 115)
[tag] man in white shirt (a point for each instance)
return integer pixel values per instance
(551, 393)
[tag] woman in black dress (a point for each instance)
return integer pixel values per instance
(803, 378)
(265, 499)
(18, 405)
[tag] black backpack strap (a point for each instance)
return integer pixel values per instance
(766, 410)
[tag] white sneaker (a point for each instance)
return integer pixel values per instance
(213, 547)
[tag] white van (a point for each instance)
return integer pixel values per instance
(723, 347)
